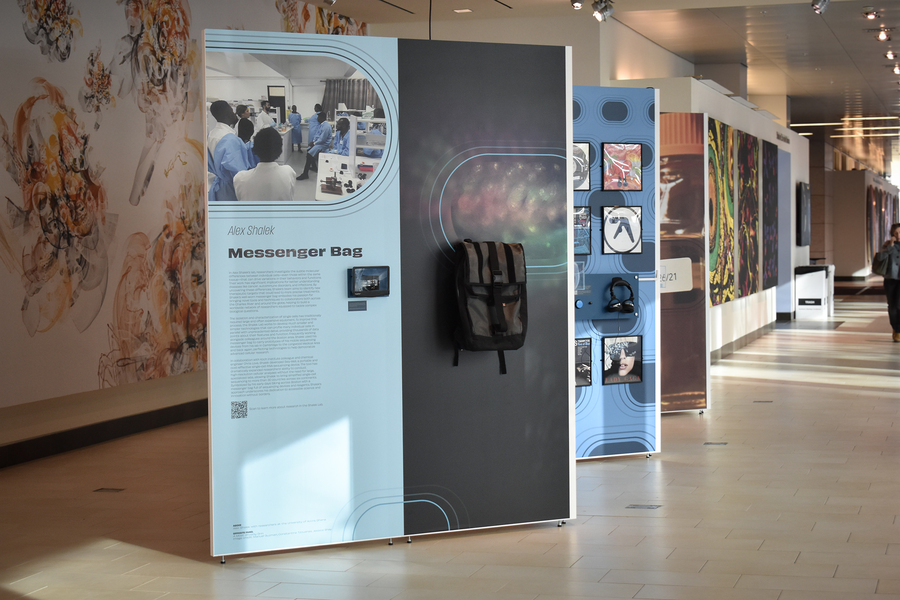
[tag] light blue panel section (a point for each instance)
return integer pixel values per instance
(619, 419)
(784, 302)
(318, 458)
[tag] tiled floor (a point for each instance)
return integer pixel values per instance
(801, 504)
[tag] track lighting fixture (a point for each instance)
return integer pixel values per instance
(603, 9)
(577, 4)
(870, 13)
(819, 6)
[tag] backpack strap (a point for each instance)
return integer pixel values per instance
(498, 322)
(502, 359)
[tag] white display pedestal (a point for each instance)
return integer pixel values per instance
(815, 291)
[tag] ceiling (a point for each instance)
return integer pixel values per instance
(828, 64)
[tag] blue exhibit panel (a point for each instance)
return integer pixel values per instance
(618, 413)
(305, 381)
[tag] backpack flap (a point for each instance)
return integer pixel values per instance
(491, 295)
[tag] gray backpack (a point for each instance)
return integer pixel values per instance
(490, 293)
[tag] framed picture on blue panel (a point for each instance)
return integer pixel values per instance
(582, 362)
(581, 166)
(622, 167)
(582, 229)
(622, 230)
(622, 360)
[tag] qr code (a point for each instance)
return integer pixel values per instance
(239, 410)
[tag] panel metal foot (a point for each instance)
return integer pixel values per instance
(391, 542)
(223, 560)
(409, 540)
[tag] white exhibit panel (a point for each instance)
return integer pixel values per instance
(305, 382)
(337, 411)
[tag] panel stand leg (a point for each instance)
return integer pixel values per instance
(391, 542)
(223, 560)
(701, 412)
(409, 540)
(561, 523)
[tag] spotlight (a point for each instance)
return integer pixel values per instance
(603, 9)
(890, 55)
(896, 69)
(871, 14)
(883, 36)
(819, 6)
(577, 4)
(329, 2)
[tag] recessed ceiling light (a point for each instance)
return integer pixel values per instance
(896, 69)
(890, 55)
(883, 36)
(870, 13)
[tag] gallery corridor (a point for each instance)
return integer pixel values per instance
(787, 488)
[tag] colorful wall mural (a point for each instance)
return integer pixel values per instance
(101, 138)
(769, 215)
(720, 145)
(748, 214)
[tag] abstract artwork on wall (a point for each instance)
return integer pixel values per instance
(622, 167)
(300, 17)
(721, 213)
(748, 215)
(51, 26)
(159, 309)
(58, 235)
(157, 62)
(770, 215)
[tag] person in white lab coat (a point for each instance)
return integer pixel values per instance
(264, 119)
(268, 181)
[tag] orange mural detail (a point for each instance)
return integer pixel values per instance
(51, 25)
(300, 17)
(159, 310)
(158, 62)
(97, 91)
(57, 239)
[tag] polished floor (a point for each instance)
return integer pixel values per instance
(800, 503)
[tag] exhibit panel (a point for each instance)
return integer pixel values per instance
(335, 416)
(684, 308)
(616, 291)
(305, 395)
(481, 447)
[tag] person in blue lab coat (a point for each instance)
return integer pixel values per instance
(341, 142)
(313, 122)
(321, 143)
(296, 133)
(227, 153)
